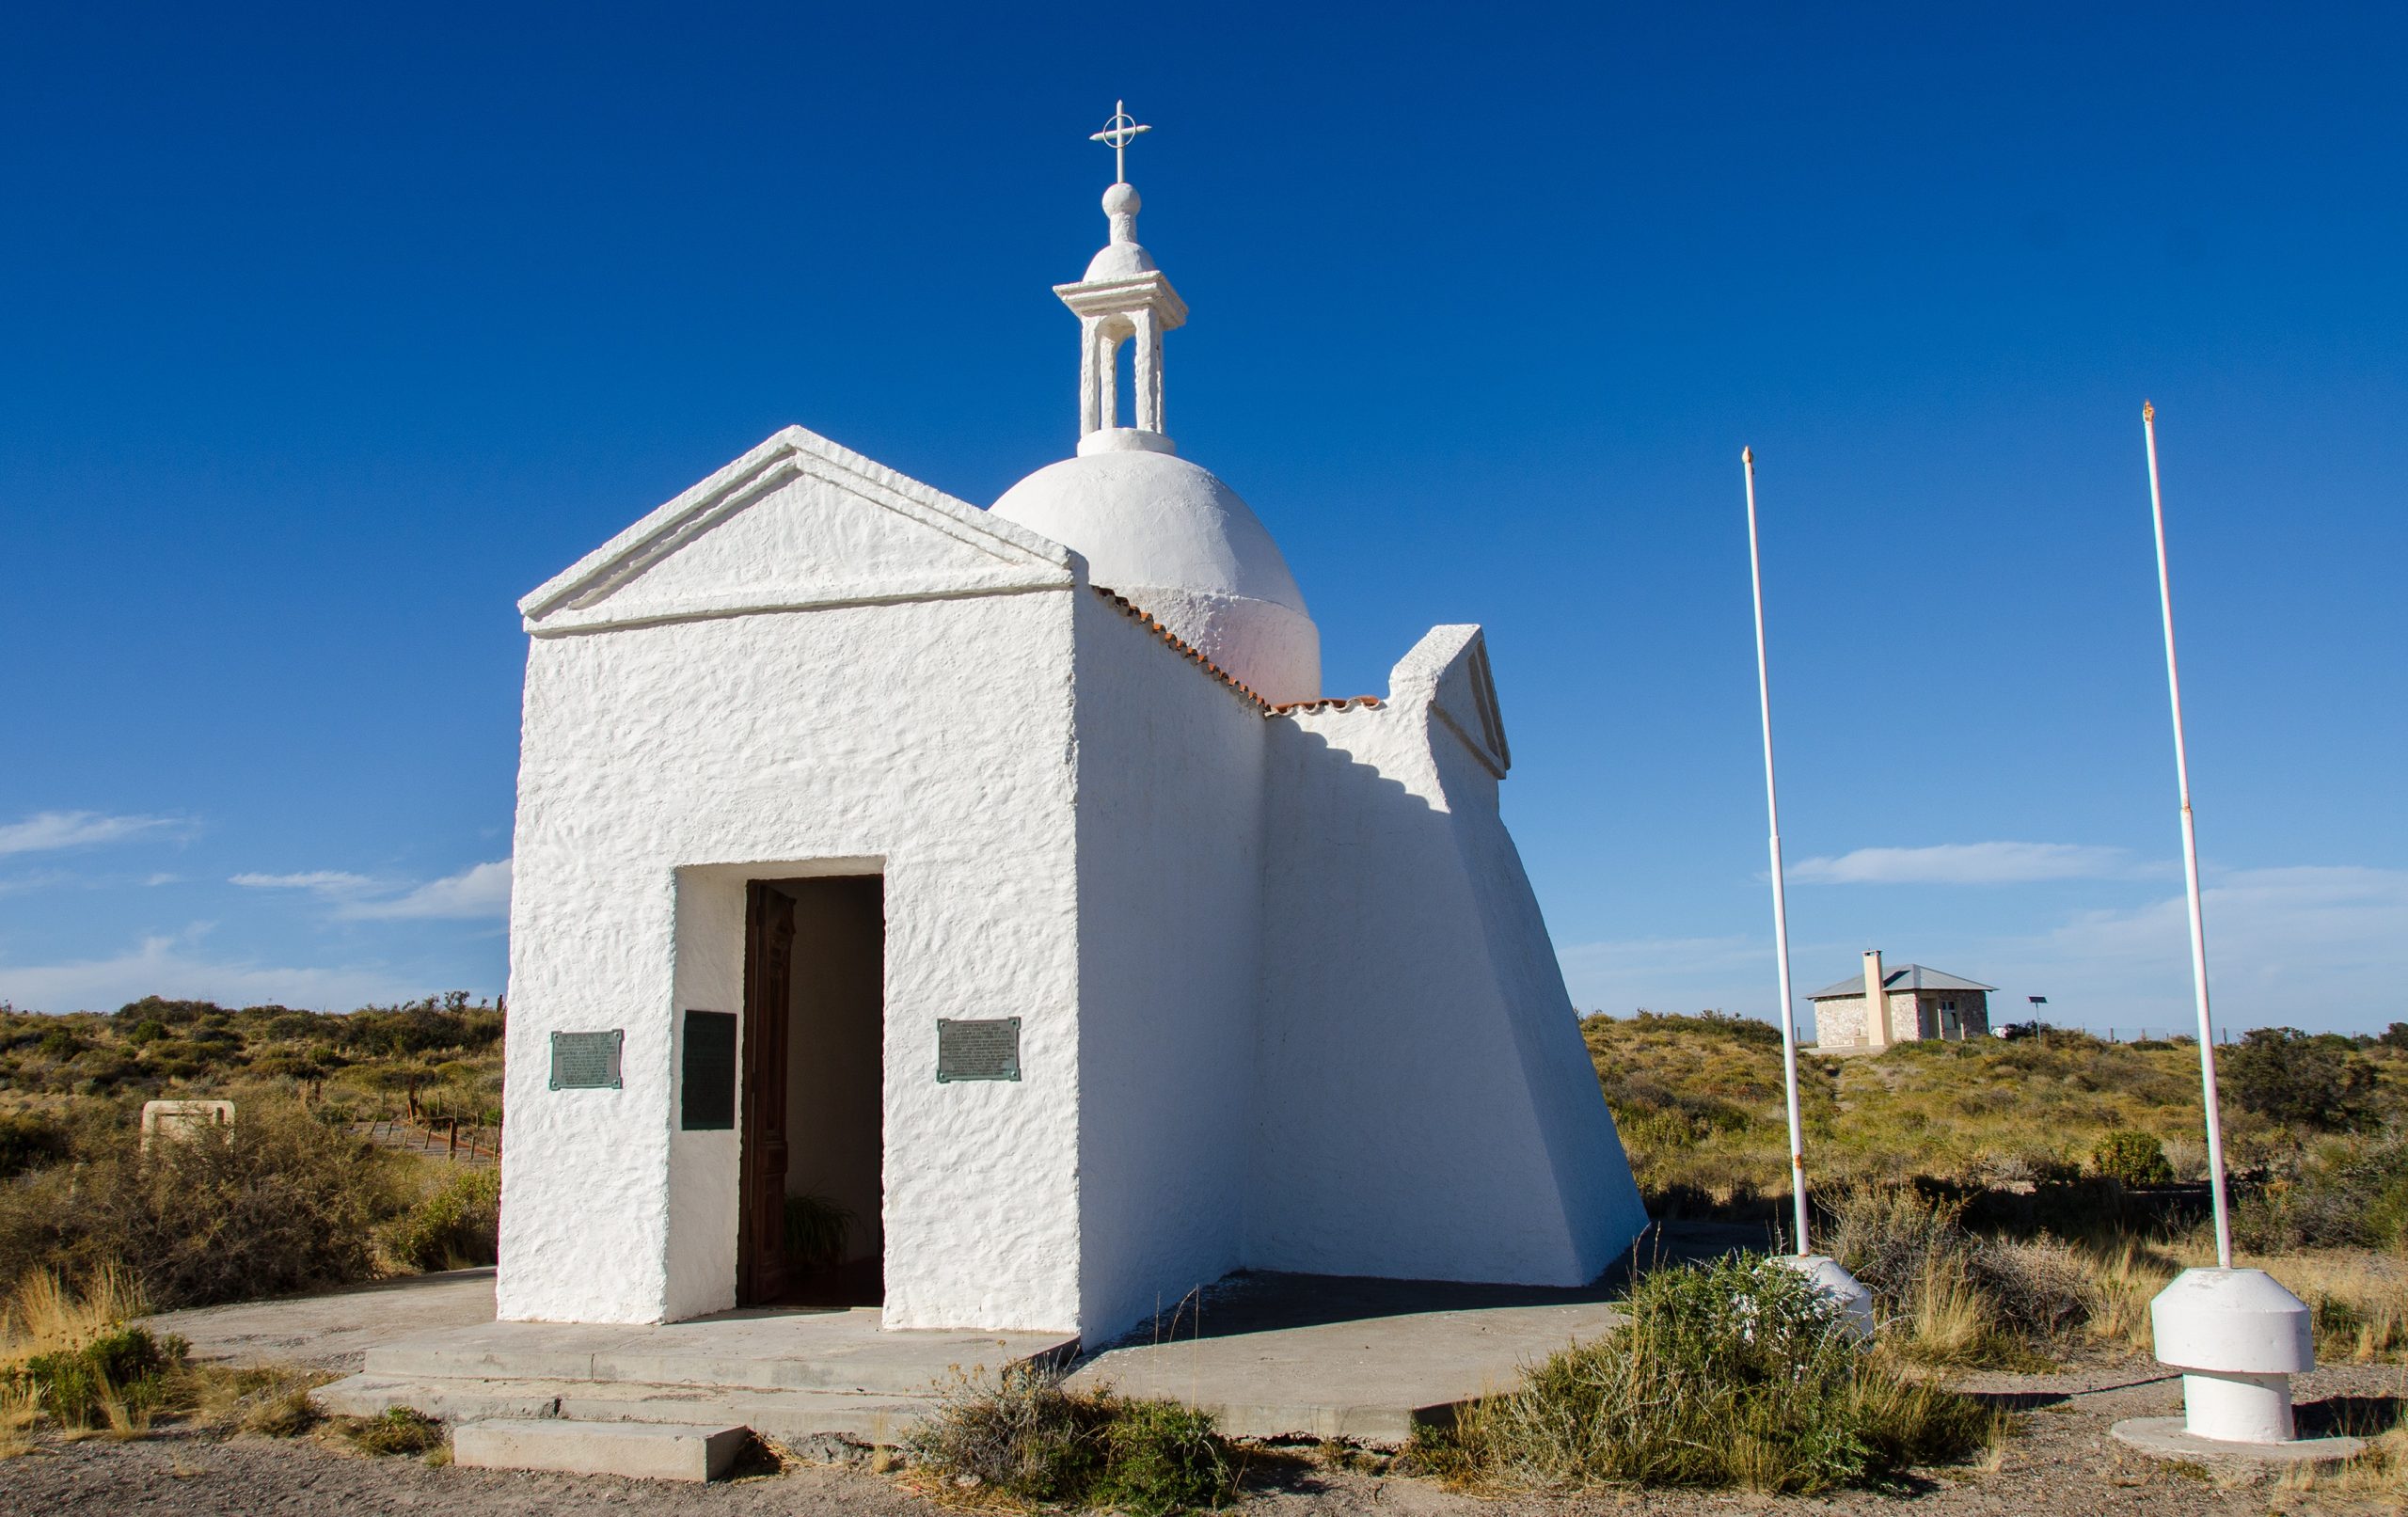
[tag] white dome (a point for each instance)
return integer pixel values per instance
(1178, 543)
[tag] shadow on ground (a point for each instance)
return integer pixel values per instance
(1266, 1301)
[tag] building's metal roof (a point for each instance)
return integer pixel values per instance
(1905, 977)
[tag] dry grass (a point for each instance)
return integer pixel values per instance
(1947, 1296)
(2380, 1474)
(45, 1314)
(2127, 1277)
(73, 1356)
(19, 1415)
(77, 1357)
(271, 1400)
(1947, 1321)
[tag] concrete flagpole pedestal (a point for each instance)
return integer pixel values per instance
(2237, 1335)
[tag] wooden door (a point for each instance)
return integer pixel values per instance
(761, 1228)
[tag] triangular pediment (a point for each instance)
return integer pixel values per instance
(798, 522)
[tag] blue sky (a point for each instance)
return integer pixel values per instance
(331, 332)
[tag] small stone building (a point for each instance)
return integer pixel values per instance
(1921, 1003)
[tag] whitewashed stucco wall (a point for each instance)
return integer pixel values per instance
(1286, 998)
(1170, 870)
(663, 765)
(1424, 1106)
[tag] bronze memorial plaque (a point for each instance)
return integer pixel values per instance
(586, 1061)
(981, 1049)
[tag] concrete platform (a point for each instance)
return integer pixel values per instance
(1274, 1357)
(1305, 1356)
(335, 1330)
(1277, 1355)
(792, 1375)
(2168, 1438)
(642, 1451)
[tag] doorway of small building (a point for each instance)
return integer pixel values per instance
(811, 1167)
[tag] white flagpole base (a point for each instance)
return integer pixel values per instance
(2238, 1336)
(1854, 1299)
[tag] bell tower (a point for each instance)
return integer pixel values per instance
(1123, 298)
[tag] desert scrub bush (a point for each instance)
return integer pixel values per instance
(1954, 1297)
(274, 1203)
(398, 1429)
(2130, 1157)
(1738, 1373)
(455, 1226)
(2345, 1191)
(1026, 1434)
(2299, 1078)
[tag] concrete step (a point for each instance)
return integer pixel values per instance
(793, 1351)
(694, 1451)
(792, 1417)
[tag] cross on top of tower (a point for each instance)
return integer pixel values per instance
(1117, 133)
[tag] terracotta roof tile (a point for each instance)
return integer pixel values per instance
(1143, 618)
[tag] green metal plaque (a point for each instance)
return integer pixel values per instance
(977, 1049)
(587, 1061)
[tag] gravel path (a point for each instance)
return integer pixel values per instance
(2062, 1464)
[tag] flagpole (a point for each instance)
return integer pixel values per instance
(2189, 862)
(1780, 900)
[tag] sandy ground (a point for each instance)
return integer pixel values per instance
(2062, 1463)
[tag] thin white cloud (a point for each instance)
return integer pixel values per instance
(324, 881)
(46, 830)
(2264, 928)
(479, 890)
(1683, 974)
(2314, 946)
(1965, 863)
(172, 966)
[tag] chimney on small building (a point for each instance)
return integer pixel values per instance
(1877, 1001)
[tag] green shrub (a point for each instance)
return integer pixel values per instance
(1161, 1456)
(456, 1226)
(1027, 1435)
(126, 1364)
(1736, 1373)
(2132, 1158)
(400, 1429)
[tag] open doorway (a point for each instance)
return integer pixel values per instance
(814, 1122)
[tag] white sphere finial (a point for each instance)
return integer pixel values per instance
(1120, 206)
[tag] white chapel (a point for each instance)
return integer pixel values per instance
(984, 915)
